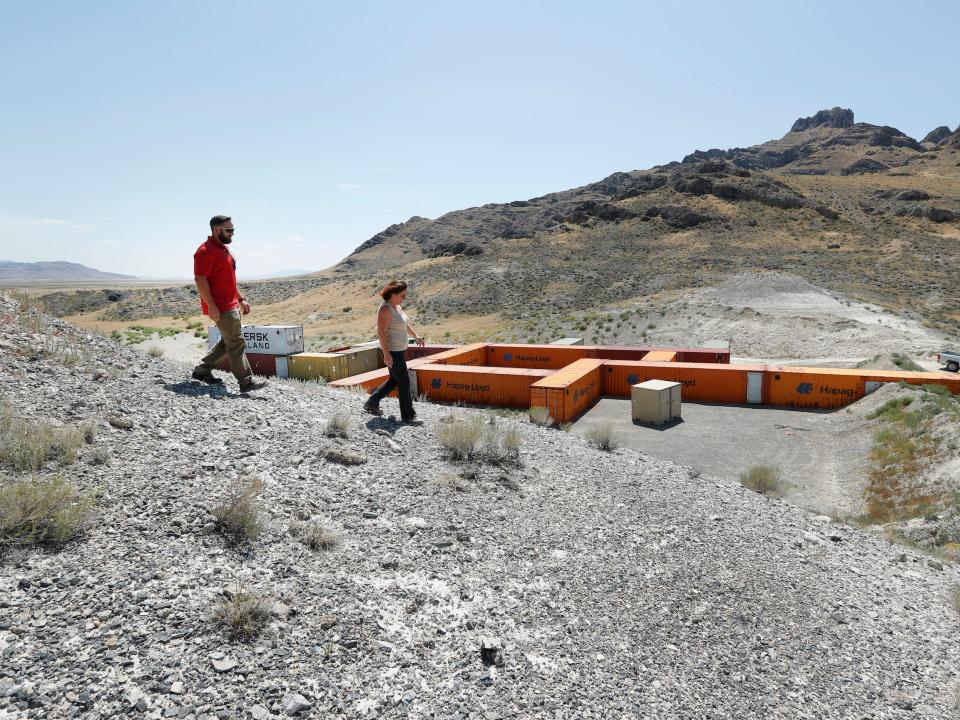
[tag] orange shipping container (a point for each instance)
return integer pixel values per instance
(706, 382)
(475, 354)
(538, 357)
(836, 387)
(660, 356)
(571, 391)
(499, 387)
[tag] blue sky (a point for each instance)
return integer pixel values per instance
(126, 125)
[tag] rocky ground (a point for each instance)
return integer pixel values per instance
(572, 584)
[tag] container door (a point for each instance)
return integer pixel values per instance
(754, 387)
(282, 367)
(665, 403)
(872, 386)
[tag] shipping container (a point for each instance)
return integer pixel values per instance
(568, 341)
(655, 402)
(706, 382)
(269, 365)
(836, 387)
(569, 392)
(313, 366)
(417, 351)
(362, 359)
(475, 355)
(660, 356)
(537, 357)
(638, 352)
(497, 387)
(266, 339)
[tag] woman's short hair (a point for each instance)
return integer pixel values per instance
(393, 287)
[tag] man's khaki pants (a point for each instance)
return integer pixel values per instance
(231, 346)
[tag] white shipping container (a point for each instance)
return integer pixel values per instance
(568, 341)
(266, 339)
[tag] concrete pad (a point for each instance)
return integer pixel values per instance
(724, 440)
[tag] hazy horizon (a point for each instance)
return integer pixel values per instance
(319, 126)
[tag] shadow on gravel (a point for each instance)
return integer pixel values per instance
(192, 388)
(388, 424)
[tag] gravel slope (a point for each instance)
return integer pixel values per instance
(614, 585)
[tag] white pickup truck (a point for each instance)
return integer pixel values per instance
(950, 360)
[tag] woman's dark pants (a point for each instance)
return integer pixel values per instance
(400, 380)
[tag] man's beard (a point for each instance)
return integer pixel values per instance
(226, 239)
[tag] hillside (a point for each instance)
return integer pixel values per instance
(21, 273)
(563, 582)
(850, 207)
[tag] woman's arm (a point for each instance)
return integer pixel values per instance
(413, 333)
(383, 327)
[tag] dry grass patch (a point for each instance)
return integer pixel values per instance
(41, 512)
(763, 479)
(955, 598)
(315, 536)
(603, 437)
(155, 351)
(539, 415)
(244, 613)
(337, 425)
(238, 516)
(476, 439)
(27, 446)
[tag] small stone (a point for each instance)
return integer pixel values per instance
(295, 703)
(935, 564)
(111, 641)
(177, 688)
(259, 712)
(390, 563)
(224, 665)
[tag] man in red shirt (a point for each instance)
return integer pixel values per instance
(215, 272)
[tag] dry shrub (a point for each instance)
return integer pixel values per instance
(337, 425)
(539, 415)
(475, 439)
(603, 437)
(955, 598)
(27, 446)
(49, 512)
(238, 516)
(763, 479)
(243, 613)
(315, 536)
(155, 351)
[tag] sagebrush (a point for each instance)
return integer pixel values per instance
(238, 516)
(45, 512)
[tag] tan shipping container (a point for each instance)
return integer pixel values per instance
(362, 359)
(655, 401)
(313, 366)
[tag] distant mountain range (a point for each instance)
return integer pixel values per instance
(850, 206)
(57, 271)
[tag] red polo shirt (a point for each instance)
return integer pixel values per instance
(213, 261)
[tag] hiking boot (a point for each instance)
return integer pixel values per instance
(250, 385)
(372, 409)
(207, 378)
(412, 421)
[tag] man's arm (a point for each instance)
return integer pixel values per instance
(244, 305)
(203, 287)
